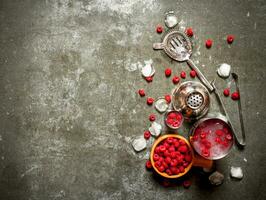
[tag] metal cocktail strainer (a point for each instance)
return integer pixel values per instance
(178, 47)
(192, 99)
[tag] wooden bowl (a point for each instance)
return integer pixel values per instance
(158, 141)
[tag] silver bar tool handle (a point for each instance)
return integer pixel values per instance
(158, 46)
(241, 143)
(200, 75)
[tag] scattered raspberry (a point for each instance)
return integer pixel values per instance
(149, 79)
(141, 93)
(150, 101)
(226, 92)
(148, 164)
(235, 96)
(228, 136)
(193, 74)
(208, 43)
(183, 74)
(168, 72)
(187, 183)
(175, 79)
(159, 29)
(189, 32)
(230, 39)
(147, 135)
(167, 98)
(152, 117)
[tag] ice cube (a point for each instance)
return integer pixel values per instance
(155, 129)
(224, 70)
(236, 172)
(139, 144)
(161, 105)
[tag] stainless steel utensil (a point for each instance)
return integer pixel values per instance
(242, 142)
(178, 47)
(192, 99)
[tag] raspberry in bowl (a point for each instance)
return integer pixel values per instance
(173, 119)
(171, 156)
(212, 138)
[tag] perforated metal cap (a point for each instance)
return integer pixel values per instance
(192, 99)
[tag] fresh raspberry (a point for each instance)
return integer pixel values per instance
(173, 170)
(195, 138)
(183, 74)
(150, 101)
(181, 169)
(225, 144)
(175, 80)
(182, 142)
(141, 92)
(228, 136)
(175, 124)
(183, 149)
(219, 132)
(166, 145)
(188, 158)
(203, 135)
(193, 73)
(169, 140)
(235, 96)
(218, 140)
(169, 172)
(147, 135)
(162, 148)
(157, 150)
(158, 164)
(171, 149)
(149, 79)
(168, 160)
(156, 157)
(159, 29)
(148, 164)
(208, 43)
(168, 72)
(208, 145)
(173, 154)
(230, 39)
(187, 183)
(167, 98)
(173, 163)
(161, 159)
(165, 164)
(166, 153)
(189, 32)
(171, 115)
(161, 168)
(176, 144)
(226, 92)
(152, 117)
(205, 152)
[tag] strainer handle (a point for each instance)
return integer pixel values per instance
(200, 75)
(158, 46)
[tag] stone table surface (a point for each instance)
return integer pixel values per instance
(69, 108)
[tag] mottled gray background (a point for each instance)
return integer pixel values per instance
(69, 108)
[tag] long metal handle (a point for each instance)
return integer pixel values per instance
(241, 143)
(200, 75)
(158, 46)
